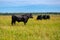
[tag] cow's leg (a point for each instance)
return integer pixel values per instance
(13, 22)
(25, 22)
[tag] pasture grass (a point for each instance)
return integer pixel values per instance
(33, 30)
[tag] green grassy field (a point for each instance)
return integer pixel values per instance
(33, 30)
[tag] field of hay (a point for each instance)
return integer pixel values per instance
(33, 30)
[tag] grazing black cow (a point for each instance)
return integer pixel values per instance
(46, 17)
(21, 18)
(39, 17)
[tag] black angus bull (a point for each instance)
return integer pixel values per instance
(46, 17)
(21, 18)
(40, 17)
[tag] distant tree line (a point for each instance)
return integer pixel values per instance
(37, 13)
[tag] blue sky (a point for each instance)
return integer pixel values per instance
(29, 5)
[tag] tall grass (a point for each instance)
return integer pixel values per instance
(33, 30)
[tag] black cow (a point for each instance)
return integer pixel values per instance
(46, 17)
(21, 18)
(39, 17)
